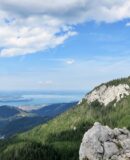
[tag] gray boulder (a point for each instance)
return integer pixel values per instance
(103, 143)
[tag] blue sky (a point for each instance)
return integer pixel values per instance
(63, 52)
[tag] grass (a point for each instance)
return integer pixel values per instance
(60, 138)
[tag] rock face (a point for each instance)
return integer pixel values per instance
(106, 94)
(103, 143)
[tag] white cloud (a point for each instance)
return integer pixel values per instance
(128, 24)
(71, 61)
(45, 83)
(49, 82)
(30, 26)
(28, 35)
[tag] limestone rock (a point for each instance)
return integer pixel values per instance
(106, 94)
(103, 143)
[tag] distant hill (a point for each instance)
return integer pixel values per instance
(8, 111)
(22, 124)
(14, 120)
(53, 110)
(9, 115)
(60, 138)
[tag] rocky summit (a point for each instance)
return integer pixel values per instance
(106, 94)
(103, 143)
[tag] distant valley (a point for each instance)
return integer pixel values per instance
(14, 120)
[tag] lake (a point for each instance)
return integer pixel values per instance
(35, 99)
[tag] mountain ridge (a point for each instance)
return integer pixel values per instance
(63, 134)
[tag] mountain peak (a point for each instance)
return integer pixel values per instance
(109, 92)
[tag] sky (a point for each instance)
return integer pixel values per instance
(63, 45)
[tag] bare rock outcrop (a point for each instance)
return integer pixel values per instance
(104, 143)
(106, 94)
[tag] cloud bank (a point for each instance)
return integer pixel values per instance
(31, 26)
